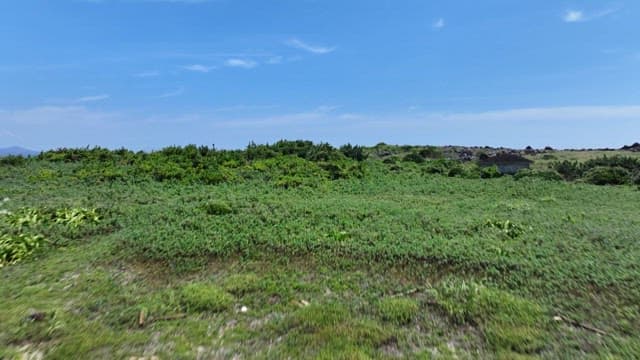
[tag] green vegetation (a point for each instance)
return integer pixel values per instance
(398, 310)
(301, 250)
(205, 297)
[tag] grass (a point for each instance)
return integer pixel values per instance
(397, 263)
(205, 297)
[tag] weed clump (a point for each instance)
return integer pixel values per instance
(205, 297)
(240, 284)
(328, 331)
(218, 208)
(398, 310)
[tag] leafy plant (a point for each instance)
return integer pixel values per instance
(14, 248)
(76, 217)
(507, 227)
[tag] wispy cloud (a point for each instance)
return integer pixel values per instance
(314, 49)
(438, 24)
(275, 60)
(574, 15)
(176, 92)
(57, 126)
(146, 74)
(241, 63)
(7, 133)
(199, 68)
(93, 98)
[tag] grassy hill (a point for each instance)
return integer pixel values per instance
(302, 250)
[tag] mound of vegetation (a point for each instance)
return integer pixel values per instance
(615, 170)
(302, 250)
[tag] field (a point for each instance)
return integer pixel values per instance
(316, 256)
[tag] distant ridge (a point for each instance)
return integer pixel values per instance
(16, 150)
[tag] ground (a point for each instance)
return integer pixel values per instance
(398, 263)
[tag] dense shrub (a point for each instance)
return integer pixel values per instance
(414, 157)
(217, 208)
(635, 177)
(12, 160)
(431, 152)
(569, 170)
(625, 162)
(490, 172)
(603, 175)
(353, 152)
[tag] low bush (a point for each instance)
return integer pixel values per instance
(602, 175)
(490, 172)
(414, 157)
(12, 160)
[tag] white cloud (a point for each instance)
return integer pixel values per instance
(241, 63)
(438, 24)
(146, 74)
(573, 16)
(94, 98)
(173, 93)
(315, 49)
(199, 68)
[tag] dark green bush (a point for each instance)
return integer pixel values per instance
(635, 177)
(217, 208)
(414, 157)
(431, 152)
(603, 175)
(12, 160)
(353, 152)
(569, 170)
(490, 172)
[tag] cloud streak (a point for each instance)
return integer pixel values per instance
(314, 49)
(199, 68)
(241, 63)
(576, 16)
(147, 74)
(173, 93)
(86, 99)
(438, 24)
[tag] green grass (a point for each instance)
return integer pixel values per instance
(396, 263)
(205, 297)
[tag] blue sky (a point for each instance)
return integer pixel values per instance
(151, 73)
